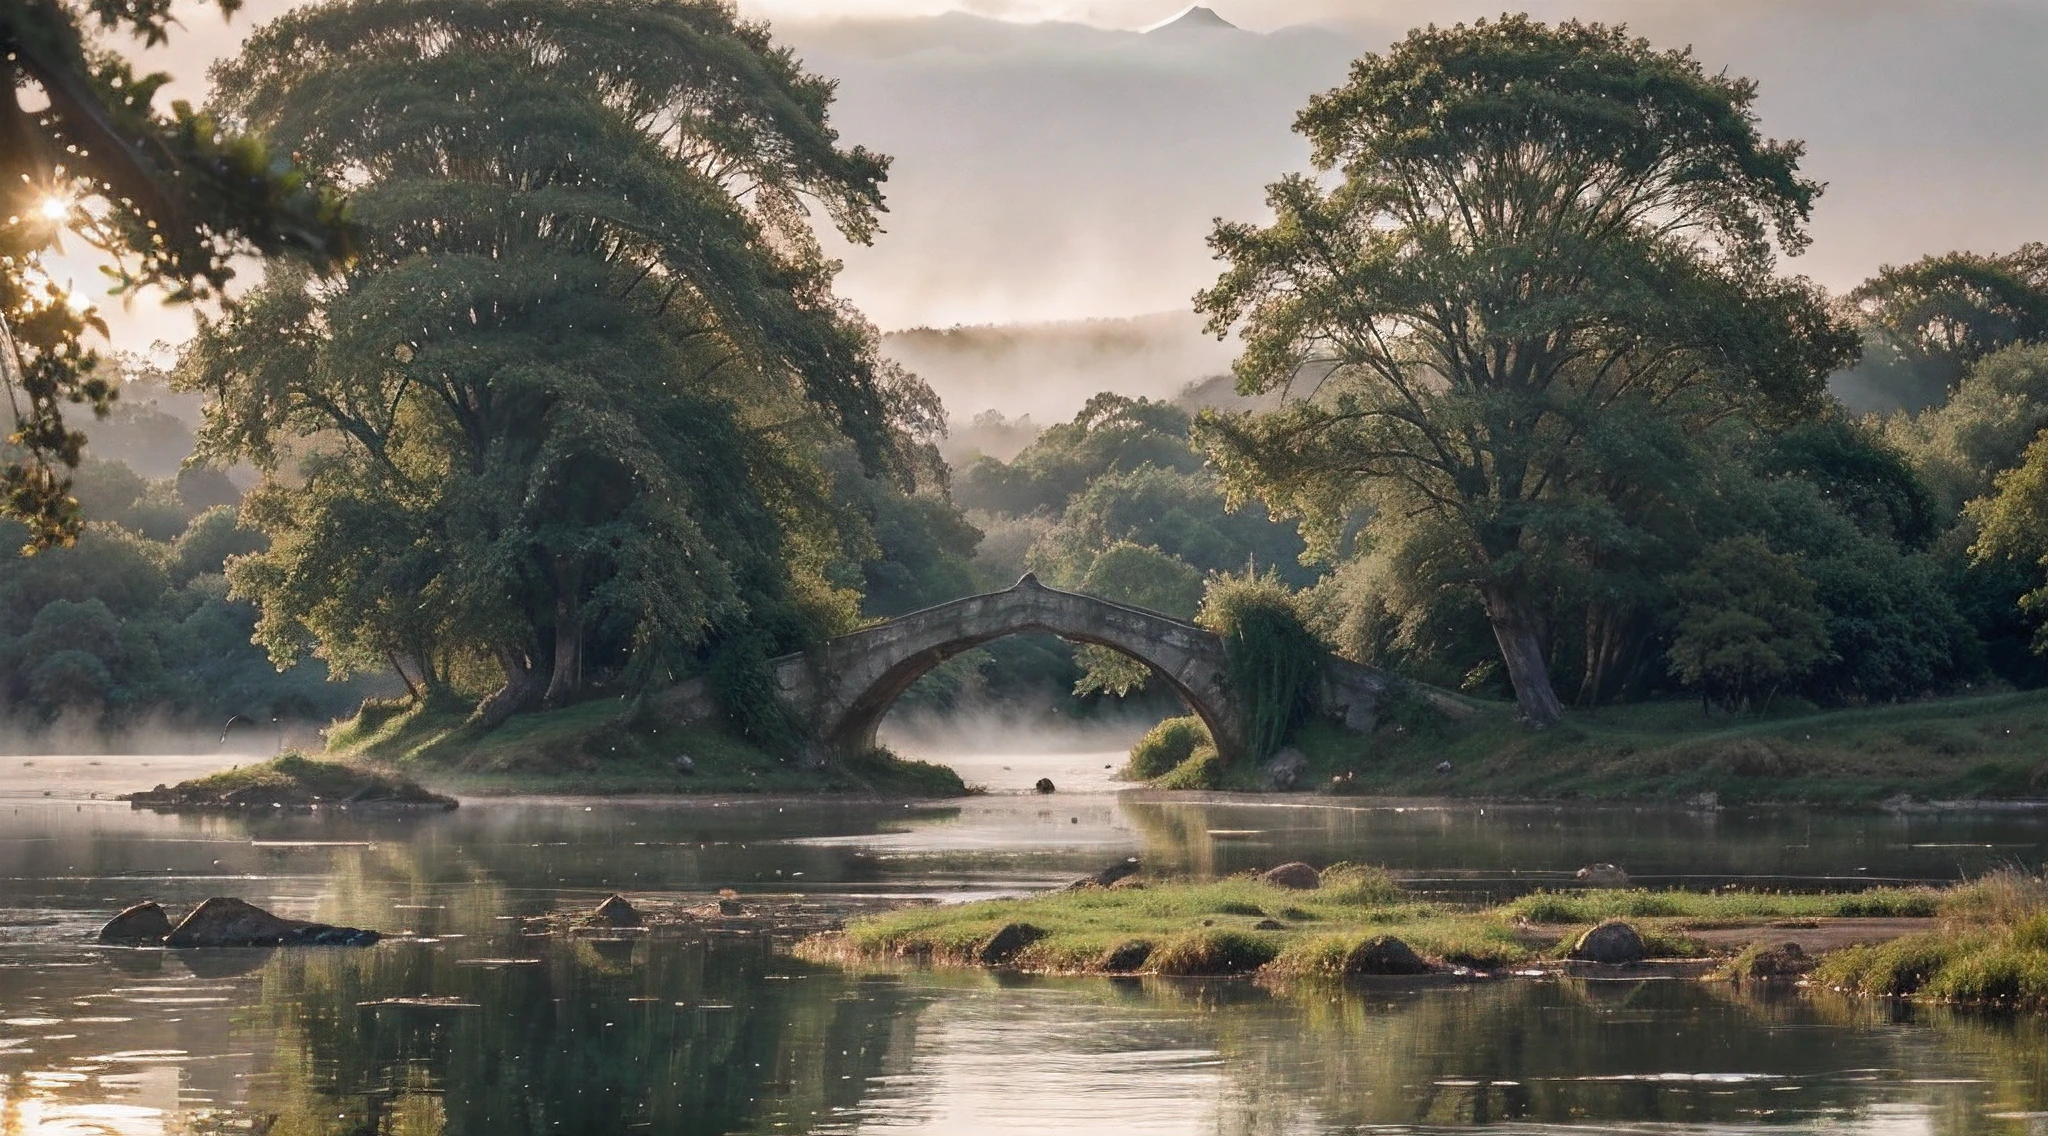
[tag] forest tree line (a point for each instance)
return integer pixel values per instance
(559, 400)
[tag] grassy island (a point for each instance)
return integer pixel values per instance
(292, 781)
(593, 747)
(1986, 940)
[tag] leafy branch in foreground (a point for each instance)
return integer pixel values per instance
(170, 198)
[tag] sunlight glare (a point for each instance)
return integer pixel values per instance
(55, 209)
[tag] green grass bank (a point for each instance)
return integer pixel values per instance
(1986, 940)
(1979, 748)
(591, 748)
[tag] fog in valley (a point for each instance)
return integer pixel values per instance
(1053, 162)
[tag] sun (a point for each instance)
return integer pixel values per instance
(55, 209)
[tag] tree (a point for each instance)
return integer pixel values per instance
(1932, 319)
(1748, 625)
(1983, 429)
(172, 198)
(1542, 251)
(2012, 525)
(578, 387)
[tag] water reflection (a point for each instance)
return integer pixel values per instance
(469, 1026)
(675, 1037)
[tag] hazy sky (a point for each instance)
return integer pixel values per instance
(1068, 170)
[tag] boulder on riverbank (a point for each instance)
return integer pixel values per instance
(1285, 770)
(227, 922)
(1003, 946)
(140, 925)
(1296, 876)
(1612, 942)
(1384, 954)
(290, 781)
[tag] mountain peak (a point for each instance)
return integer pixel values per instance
(1194, 18)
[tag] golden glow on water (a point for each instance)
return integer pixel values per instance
(438, 1031)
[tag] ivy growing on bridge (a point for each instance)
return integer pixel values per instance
(1276, 662)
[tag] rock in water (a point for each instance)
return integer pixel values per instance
(1003, 946)
(1285, 770)
(617, 912)
(1384, 954)
(1602, 876)
(1610, 942)
(1044, 785)
(1298, 876)
(225, 922)
(143, 925)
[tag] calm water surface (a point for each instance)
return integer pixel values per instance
(544, 1036)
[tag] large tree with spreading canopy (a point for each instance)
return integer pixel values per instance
(572, 397)
(1533, 261)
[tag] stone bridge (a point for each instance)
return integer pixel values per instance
(842, 689)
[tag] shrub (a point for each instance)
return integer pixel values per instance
(1166, 745)
(1202, 770)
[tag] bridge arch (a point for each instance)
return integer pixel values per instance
(845, 687)
(841, 690)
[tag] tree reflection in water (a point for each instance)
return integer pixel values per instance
(596, 1037)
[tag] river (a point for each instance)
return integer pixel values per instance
(463, 1024)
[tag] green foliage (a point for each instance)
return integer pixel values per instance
(1749, 624)
(1960, 446)
(920, 548)
(1203, 768)
(1112, 433)
(1928, 322)
(1166, 746)
(2012, 525)
(1276, 662)
(171, 198)
(1501, 347)
(582, 407)
(118, 630)
(1143, 577)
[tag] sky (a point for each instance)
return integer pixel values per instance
(1072, 169)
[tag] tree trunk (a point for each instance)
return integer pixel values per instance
(412, 691)
(567, 680)
(1521, 649)
(522, 690)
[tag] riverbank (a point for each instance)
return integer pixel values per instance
(588, 749)
(1991, 747)
(1984, 941)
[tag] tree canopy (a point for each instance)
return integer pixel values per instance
(1540, 259)
(569, 409)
